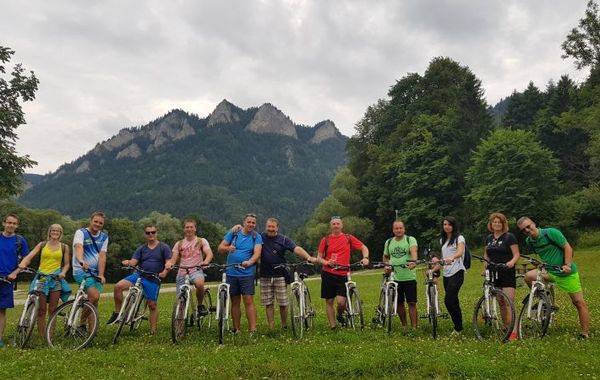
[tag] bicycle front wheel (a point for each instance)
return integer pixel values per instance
(296, 314)
(534, 324)
(391, 293)
(179, 319)
(489, 323)
(222, 316)
(356, 318)
(432, 316)
(128, 303)
(72, 326)
(25, 328)
(379, 318)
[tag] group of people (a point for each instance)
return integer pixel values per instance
(243, 245)
(501, 247)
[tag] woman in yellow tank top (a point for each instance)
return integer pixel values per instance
(54, 259)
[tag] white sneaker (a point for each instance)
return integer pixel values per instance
(455, 333)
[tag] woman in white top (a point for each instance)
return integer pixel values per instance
(453, 248)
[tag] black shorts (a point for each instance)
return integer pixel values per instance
(333, 285)
(506, 278)
(407, 290)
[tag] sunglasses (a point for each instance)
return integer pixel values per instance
(250, 215)
(150, 232)
(336, 217)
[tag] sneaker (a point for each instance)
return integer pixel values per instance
(513, 336)
(583, 336)
(341, 320)
(113, 318)
(234, 331)
(455, 333)
(2, 344)
(252, 334)
(202, 311)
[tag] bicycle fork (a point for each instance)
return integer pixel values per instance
(391, 285)
(223, 286)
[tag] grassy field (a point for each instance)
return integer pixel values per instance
(328, 354)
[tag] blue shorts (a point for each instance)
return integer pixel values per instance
(180, 280)
(150, 287)
(90, 282)
(7, 300)
(241, 285)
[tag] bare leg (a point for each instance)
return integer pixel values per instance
(250, 311)
(412, 312)
(118, 293)
(341, 304)
(582, 311)
(402, 314)
(199, 283)
(330, 312)
(506, 315)
(153, 316)
(93, 297)
(41, 317)
(283, 314)
(2, 321)
(236, 312)
(269, 309)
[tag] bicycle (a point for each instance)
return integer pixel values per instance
(302, 312)
(133, 309)
(488, 318)
(223, 297)
(538, 307)
(184, 309)
(74, 324)
(433, 312)
(30, 309)
(387, 306)
(353, 315)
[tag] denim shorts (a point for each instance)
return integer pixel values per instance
(241, 285)
(180, 280)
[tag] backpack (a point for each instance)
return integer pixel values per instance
(198, 244)
(63, 247)
(327, 244)
(388, 241)
(19, 245)
(467, 257)
(545, 233)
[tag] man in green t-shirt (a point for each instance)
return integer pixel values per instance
(553, 248)
(397, 251)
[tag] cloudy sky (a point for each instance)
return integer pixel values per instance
(108, 65)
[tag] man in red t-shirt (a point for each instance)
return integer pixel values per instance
(335, 249)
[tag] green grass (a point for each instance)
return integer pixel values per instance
(326, 354)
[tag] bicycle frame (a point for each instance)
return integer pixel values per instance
(223, 286)
(80, 297)
(540, 285)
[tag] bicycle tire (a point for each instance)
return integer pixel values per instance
(491, 325)
(138, 316)
(310, 310)
(23, 333)
(433, 317)
(356, 318)
(380, 317)
(390, 307)
(59, 334)
(123, 321)
(221, 316)
(204, 322)
(179, 319)
(296, 314)
(535, 325)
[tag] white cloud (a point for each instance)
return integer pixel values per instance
(108, 65)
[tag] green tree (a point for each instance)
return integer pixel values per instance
(514, 174)
(583, 42)
(523, 107)
(14, 89)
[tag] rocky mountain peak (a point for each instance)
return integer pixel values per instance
(323, 131)
(224, 113)
(269, 119)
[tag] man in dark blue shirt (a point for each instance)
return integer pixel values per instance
(273, 283)
(149, 257)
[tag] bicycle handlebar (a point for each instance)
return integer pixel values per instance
(378, 265)
(490, 263)
(187, 269)
(222, 267)
(5, 279)
(541, 264)
(143, 272)
(344, 266)
(292, 265)
(428, 262)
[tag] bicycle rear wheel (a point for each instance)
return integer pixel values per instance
(222, 317)
(432, 316)
(139, 315)
(379, 317)
(204, 321)
(309, 310)
(489, 324)
(356, 318)
(392, 297)
(72, 333)
(536, 323)
(296, 314)
(23, 333)
(179, 319)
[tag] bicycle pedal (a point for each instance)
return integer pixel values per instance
(424, 316)
(213, 309)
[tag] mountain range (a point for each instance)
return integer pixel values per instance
(217, 168)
